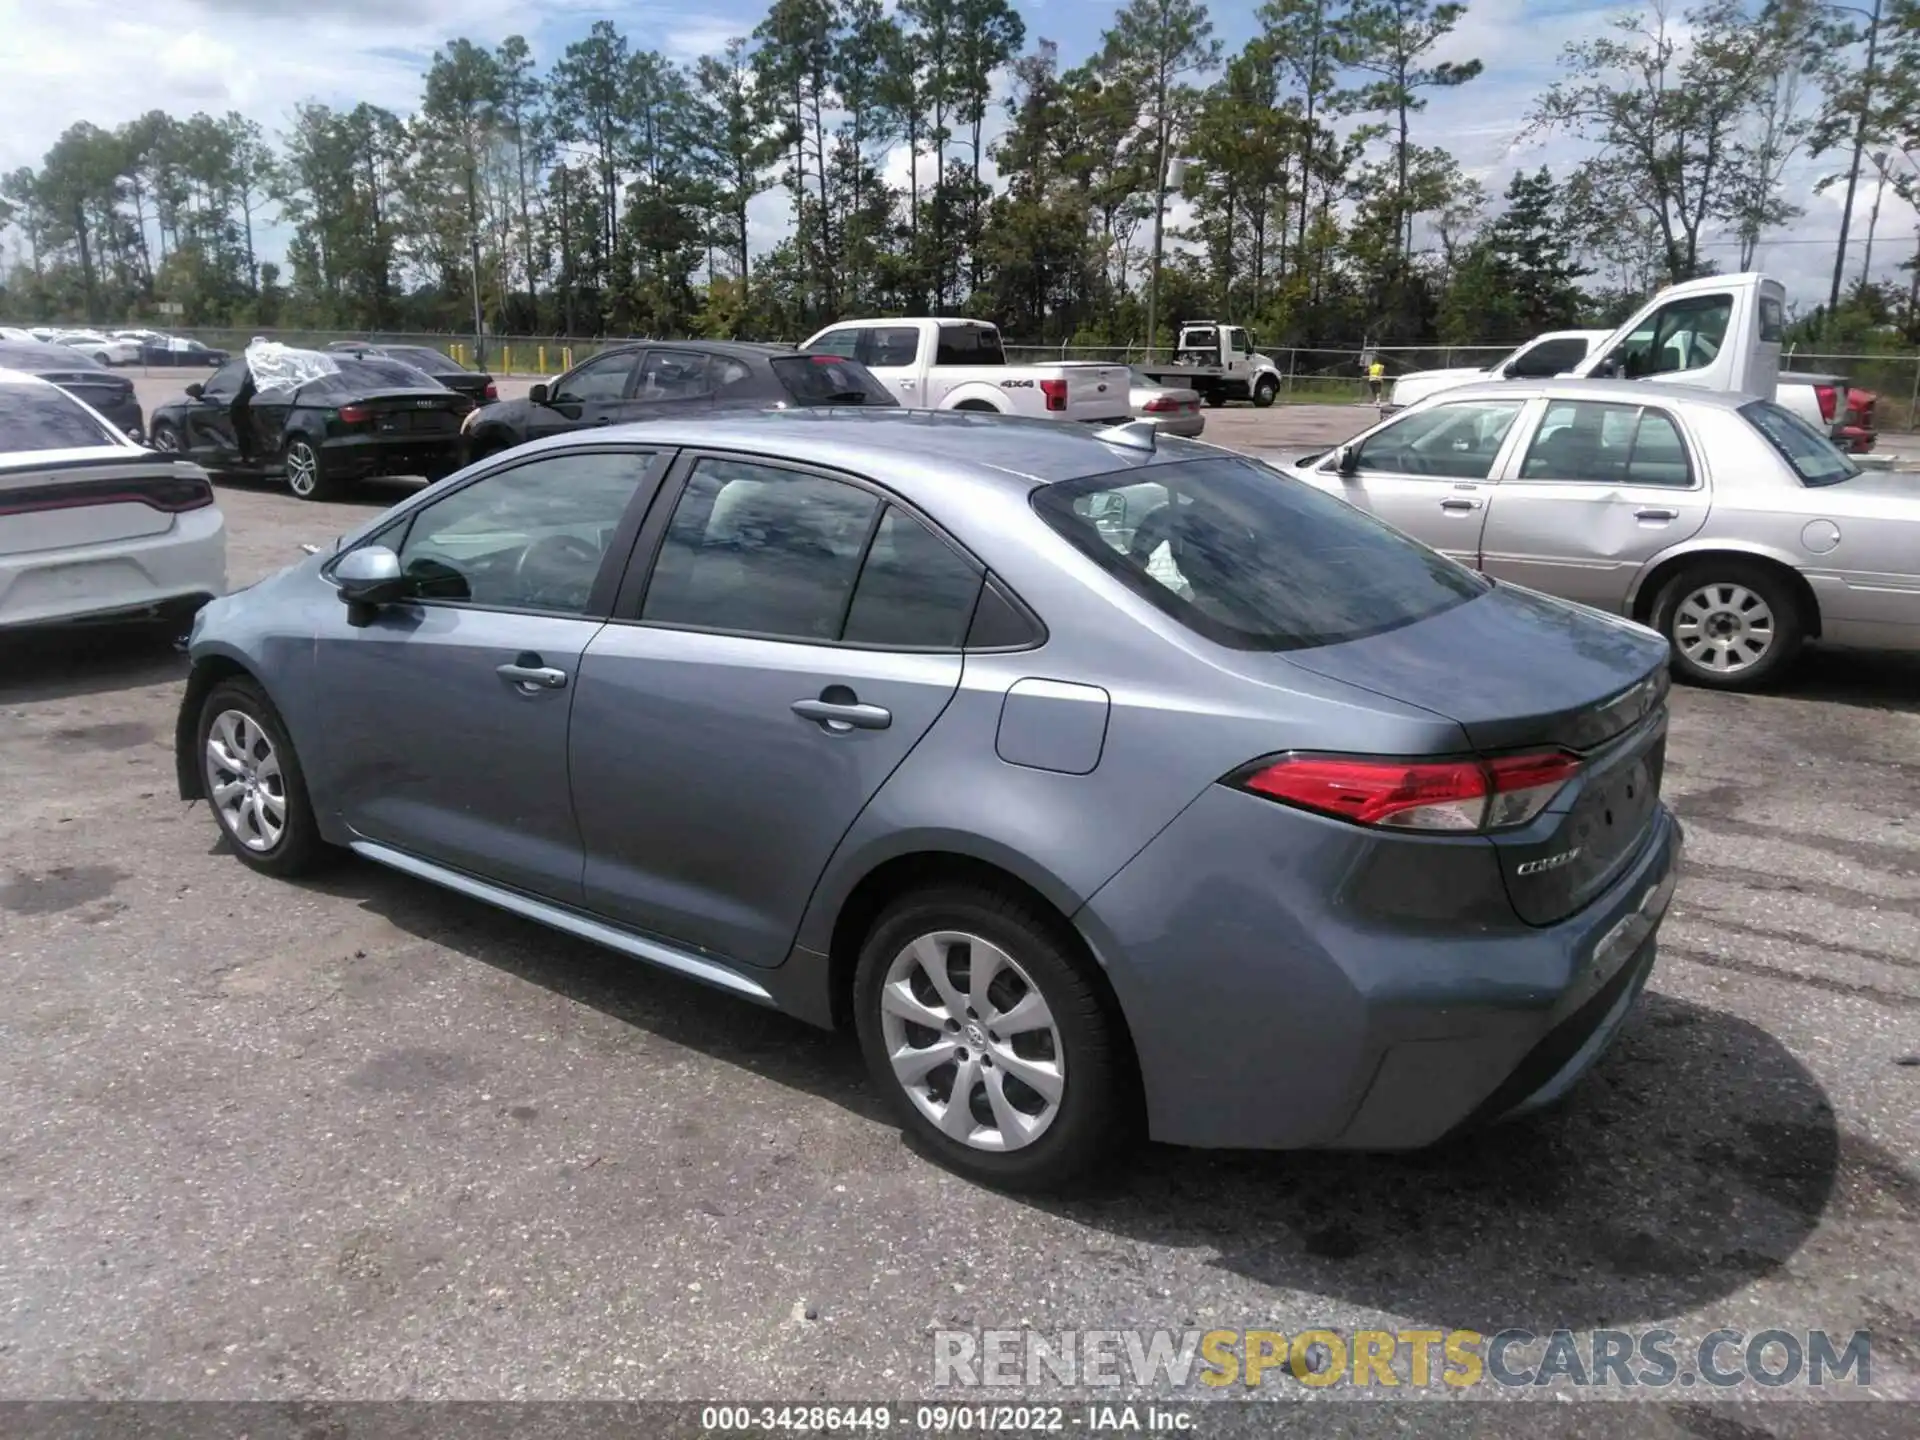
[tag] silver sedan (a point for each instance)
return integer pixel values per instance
(1174, 410)
(1725, 522)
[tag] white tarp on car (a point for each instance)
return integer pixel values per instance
(282, 367)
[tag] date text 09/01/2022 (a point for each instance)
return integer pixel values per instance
(946, 1419)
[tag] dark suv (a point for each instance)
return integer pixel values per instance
(649, 380)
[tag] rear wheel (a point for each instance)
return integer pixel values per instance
(1733, 625)
(165, 438)
(993, 1045)
(1265, 390)
(1214, 399)
(306, 472)
(977, 405)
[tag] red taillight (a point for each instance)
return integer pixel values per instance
(1827, 397)
(171, 496)
(1056, 393)
(355, 414)
(1861, 403)
(1456, 795)
(492, 391)
(1161, 403)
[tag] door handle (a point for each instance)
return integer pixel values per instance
(1655, 513)
(529, 673)
(843, 715)
(1457, 503)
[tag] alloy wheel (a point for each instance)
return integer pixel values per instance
(1724, 628)
(303, 469)
(245, 782)
(972, 1041)
(164, 439)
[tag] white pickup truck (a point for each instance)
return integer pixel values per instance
(1721, 333)
(950, 364)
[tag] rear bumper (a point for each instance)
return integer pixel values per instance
(1272, 1005)
(153, 576)
(361, 457)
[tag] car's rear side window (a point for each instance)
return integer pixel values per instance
(1815, 458)
(39, 417)
(969, 345)
(1251, 559)
(818, 379)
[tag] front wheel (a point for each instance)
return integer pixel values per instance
(307, 476)
(165, 439)
(1732, 625)
(253, 781)
(1265, 391)
(991, 1041)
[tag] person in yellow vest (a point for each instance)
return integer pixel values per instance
(1376, 378)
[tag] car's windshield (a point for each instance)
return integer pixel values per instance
(1815, 458)
(1251, 559)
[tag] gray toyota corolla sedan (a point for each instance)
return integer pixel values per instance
(1092, 780)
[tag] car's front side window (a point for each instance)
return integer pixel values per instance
(1449, 442)
(532, 537)
(600, 379)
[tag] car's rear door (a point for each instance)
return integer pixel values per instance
(1427, 473)
(444, 719)
(795, 637)
(1593, 492)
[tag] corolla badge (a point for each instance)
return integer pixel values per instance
(1551, 862)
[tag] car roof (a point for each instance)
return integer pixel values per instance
(24, 377)
(17, 354)
(1626, 392)
(1020, 452)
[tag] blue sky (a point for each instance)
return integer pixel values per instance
(106, 61)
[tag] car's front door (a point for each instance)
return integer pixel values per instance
(208, 420)
(592, 393)
(1599, 490)
(445, 718)
(797, 635)
(1426, 472)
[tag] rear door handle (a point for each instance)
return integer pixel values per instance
(1654, 513)
(530, 673)
(1456, 503)
(846, 715)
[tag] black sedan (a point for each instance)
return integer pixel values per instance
(81, 376)
(373, 417)
(650, 380)
(476, 385)
(180, 353)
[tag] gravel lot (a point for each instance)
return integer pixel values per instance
(363, 1139)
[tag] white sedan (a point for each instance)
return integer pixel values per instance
(107, 349)
(94, 527)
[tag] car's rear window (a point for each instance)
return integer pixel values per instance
(369, 372)
(421, 358)
(39, 417)
(1251, 559)
(1815, 458)
(821, 379)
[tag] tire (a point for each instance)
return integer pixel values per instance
(1094, 1118)
(1264, 391)
(164, 437)
(247, 724)
(306, 470)
(1733, 624)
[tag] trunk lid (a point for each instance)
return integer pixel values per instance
(1520, 672)
(1094, 391)
(413, 412)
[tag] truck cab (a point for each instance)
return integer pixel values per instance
(1218, 360)
(1720, 332)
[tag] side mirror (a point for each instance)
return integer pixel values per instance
(537, 394)
(195, 390)
(1346, 461)
(370, 576)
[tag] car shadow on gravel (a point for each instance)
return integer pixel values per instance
(1696, 1160)
(1874, 680)
(56, 664)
